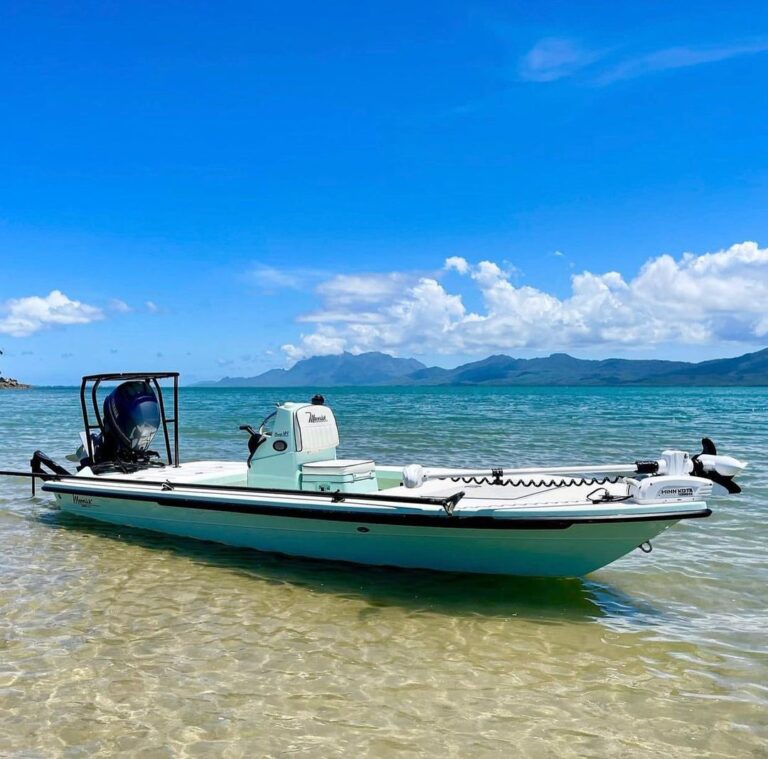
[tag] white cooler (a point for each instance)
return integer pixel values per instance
(344, 475)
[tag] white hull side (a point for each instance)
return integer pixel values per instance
(570, 552)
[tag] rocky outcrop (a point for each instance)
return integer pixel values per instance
(6, 383)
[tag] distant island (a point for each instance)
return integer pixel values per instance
(7, 383)
(377, 369)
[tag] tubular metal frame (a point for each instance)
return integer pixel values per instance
(95, 380)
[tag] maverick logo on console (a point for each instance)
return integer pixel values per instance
(313, 418)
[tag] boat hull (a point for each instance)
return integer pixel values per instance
(518, 547)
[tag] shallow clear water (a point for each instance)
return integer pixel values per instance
(117, 641)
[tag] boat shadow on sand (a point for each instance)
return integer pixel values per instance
(540, 598)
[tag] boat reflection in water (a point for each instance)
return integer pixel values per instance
(412, 590)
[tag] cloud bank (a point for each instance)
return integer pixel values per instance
(702, 299)
(20, 317)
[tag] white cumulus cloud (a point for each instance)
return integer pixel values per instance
(456, 263)
(20, 317)
(707, 298)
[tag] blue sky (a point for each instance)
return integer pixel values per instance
(222, 188)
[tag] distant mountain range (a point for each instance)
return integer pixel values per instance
(344, 369)
(558, 369)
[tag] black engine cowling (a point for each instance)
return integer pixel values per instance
(131, 420)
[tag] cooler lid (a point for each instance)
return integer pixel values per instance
(338, 466)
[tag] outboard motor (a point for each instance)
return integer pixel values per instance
(131, 420)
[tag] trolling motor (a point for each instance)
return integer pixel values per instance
(720, 469)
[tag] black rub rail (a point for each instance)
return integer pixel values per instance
(448, 503)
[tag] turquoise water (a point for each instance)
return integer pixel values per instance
(115, 641)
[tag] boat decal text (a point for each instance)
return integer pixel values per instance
(678, 492)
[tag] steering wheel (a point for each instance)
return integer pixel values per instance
(264, 421)
(257, 437)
